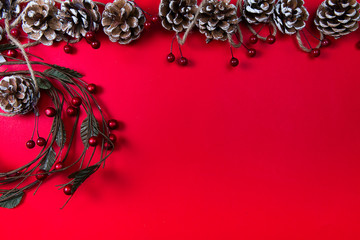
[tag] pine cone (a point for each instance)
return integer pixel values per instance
(177, 15)
(258, 11)
(17, 94)
(217, 19)
(122, 21)
(9, 9)
(337, 17)
(290, 16)
(40, 21)
(79, 17)
(1, 33)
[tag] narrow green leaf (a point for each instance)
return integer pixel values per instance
(43, 83)
(7, 46)
(81, 176)
(61, 135)
(11, 202)
(49, 160)
(84, 172)
(54, 73)
(89, 128)
(68, 71)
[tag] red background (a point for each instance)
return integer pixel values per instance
(266, 150)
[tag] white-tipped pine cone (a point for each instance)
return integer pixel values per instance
(177, 15)
(9, 9)
(79, 17)
(217, 19)
(290, 16)
(258, 11)
(40, 21)
(18, 94)
(337, 18)
(123, 22)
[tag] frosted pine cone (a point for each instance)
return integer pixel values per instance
(17, 94)
(290, 16)
(9, 9)
(337, 17)
(40, 21)
(122, 21)
(1, 33)
(177, 15)
(79, 17)
(258, 11)
(217, 20)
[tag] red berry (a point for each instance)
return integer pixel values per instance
(325, 42)
(154, 19)
(147, 25)
(170, 58)
(68, 49)
(15, 32)
(50, 112)
(71, 111)
(183, 61)
(68, 189)
(41, 141)
(253, 39)
(91, 88)
(251, 52)
(95, 44)
(234, 62)
(93, 141)
(41, 175)
(76, 101)
(315, 52)
(113, 124)
(108, 146)
(270, 39)
(11, 53)
(59, 165)
(90, 36)
(112, 138)
(30, 144)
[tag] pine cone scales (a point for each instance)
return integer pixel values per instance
(290, 16)
(79, 17)
(258, 11)
(337, 17)
(123, 22)
(177, 15)
(17, 94)
(9, 9)
(41, 23)
(217, 20)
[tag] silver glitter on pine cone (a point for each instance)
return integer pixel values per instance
(290, 16)
(9, 9)
(123, 21)
(337, 18)
(17, 94)
(177, 15)
(1, 33)
(258, 11)
(217, 19)
(40, 21)
(79, 17)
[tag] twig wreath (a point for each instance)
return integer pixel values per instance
(123, 21)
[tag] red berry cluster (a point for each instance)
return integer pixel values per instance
(182, 61)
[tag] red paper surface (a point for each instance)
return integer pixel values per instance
(266, 150)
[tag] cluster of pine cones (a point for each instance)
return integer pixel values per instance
(217, 19)
(122, 20)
